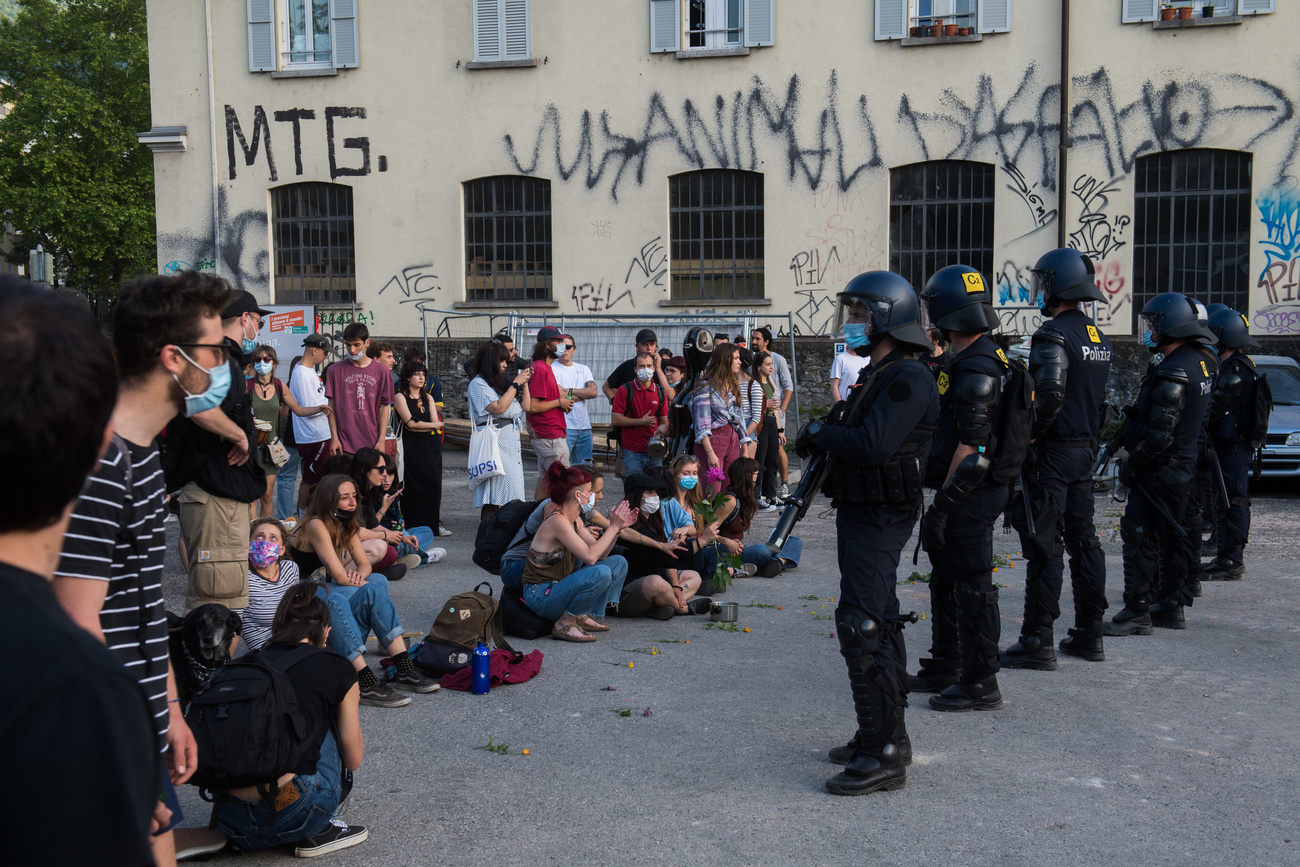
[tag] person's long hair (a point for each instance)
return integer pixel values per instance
(301, 614)
(756, 370)
(650, 525)
(695, 494)
(487, 364)
(324, 500)
(740, 484)
(719, 374)
(410, 369)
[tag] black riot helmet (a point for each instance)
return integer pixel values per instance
(1232, 329)
(1173, 316)
(1214, 308)
(697, 348)
(1203, 317)
(886, 304)
(957, 299)
(1064, 274)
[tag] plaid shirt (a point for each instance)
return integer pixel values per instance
(711, 410)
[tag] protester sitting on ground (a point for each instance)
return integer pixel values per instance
(658, 585)
(369, 471)
(394, 518)
(683, 524)
(733, 519)
(512, 561)
(355, 611)
(496, 399)
(328, 540)
(574, 597)
(328, 699)
(716, 410)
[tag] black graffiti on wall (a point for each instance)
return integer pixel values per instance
(243, 257)
(821, 138)
(261, 140)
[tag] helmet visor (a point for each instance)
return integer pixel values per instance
(1042, 287)
(872, 313)
(1152, 322)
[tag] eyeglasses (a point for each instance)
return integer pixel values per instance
(220, 348)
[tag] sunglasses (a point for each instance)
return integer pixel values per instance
(565, 347)
(383, 471)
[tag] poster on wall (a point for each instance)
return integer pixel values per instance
(284, 329)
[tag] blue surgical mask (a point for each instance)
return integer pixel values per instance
(211, 398)
(1041, 301)
(855, 334)
(589, 505)
(264, 367)
(688, 482)
(1149, 339)
(360, 355)
(247, 345)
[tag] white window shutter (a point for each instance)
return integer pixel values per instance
(517, 44)
(261, 36)
(994, 16)
(345, 51)
(665, 26)
(891, 19)
(487, 30)
(760, 23)
(1256, 7)
(1134, 11)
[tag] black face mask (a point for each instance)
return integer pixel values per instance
(345, 514)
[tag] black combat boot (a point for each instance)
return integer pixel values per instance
(1033, 651)
(843, 755)
(1085, 644)
(877, 764)
(1168, 614)
(981, 695)
(1224, 569)
(1128, 622)
(935, 675)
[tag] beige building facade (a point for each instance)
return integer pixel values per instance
(380, 158)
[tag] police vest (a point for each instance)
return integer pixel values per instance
(1247, 419)
(1089, 353)
(894, 484)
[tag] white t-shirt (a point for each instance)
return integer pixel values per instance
(308, 390)
(845, 368)
(574, 376)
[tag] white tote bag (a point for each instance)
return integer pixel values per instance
(484, 454)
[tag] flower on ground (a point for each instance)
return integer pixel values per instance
(746, 628)
(525, 751)
(629, 665)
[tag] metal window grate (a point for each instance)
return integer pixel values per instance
(507, 239)
(940, 214)
(1191, 226)
(715, 226)
(315, 253)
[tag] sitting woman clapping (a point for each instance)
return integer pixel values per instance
(555, 586)
(660, 584)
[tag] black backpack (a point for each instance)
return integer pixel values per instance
(495, 534)
(1253, 427)
(1014, 425)
(247, 724)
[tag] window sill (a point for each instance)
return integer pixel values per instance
(913, 41)
(500, 64)
(315, 72)
(503, 305)
(1178, 23)
(700, 53)
(717, 302)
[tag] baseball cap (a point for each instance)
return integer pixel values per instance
(548, 332)
(645, 335)
(319, 341)
(244, 303)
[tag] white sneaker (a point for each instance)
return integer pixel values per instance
(443, 531)
(785, 491)
(433, 555)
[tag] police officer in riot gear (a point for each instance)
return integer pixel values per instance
(1160, 434)
(879, 440)
(1236, 422)
(1202, 495)
(957, 529)
(1069, 360)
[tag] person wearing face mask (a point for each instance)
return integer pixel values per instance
(545, 406)
(360, 391)
(658, 585)
(1160, 434)
(311, 434)
(171, 358)
(272, 402)
(579, 385)
(641, 410)
(1069, 360)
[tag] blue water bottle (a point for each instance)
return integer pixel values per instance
(482, 670)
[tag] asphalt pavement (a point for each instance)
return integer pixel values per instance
(1179, 749)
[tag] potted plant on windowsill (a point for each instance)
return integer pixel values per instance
(1168, 12)
(963, 31)
(950, 30)
(1185, 13)
(1207, 11)
(936, 29)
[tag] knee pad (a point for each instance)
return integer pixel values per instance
(1081, 538)
(1239, 502)
(972, 597)
(1131, 532)
(859, 634)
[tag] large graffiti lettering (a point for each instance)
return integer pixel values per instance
(413, 282)
(1038, 211)
(1099, 233)
(599, 297)
(1279, 214)
(651, 262)
(1015, 284)
(334, 115)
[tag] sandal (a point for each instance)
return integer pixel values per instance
(587, 623)
(567, 633)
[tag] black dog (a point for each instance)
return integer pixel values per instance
(200, 646)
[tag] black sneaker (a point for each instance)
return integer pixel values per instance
(414, 681)
(381, 694)
(1128, 622)
(698, 605)
(765, 506)
(1031, 652)
(337, 835)
(396, 572)
(960, 697)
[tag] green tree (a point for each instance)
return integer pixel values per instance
(73, 178)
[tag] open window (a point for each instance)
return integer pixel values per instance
(900, 19)
(711, 25)
(306, 35)
(1137, 11)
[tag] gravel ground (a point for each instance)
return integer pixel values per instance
(1179, 749)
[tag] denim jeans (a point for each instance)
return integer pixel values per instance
(355, 612)
(250, 826)
(637, 462)
(579, 446)
(424, 535)
(707, 559)
(286, 498)
(512, 573)
(586, 591)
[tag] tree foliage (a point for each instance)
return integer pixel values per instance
(72, 175)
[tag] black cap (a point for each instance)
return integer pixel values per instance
(642, 480)
(645, 335)
(548, 332)
(244, 303)
(319, 341)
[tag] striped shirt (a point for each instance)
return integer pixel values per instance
(263, 598)
(120, 539)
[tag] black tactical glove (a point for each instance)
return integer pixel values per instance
(1127, 475)
(805, 443)
(933, 526)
